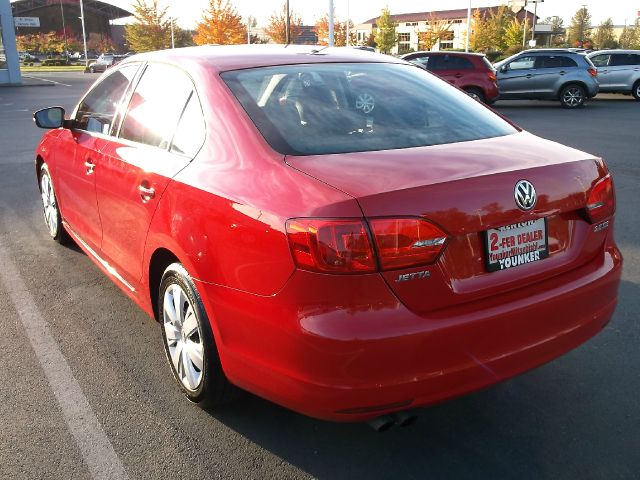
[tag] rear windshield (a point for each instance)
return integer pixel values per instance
(337, 108)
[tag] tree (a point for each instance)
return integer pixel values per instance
(339, 32)
(386, 37)
(499, 19)
(604, 37)
(580, 29)
(152, 27)
(480, 38)
(630, 36)
(221, 24)
(437, 30)
(277, 28)
(514, 33)
(100, 43)
(557, 30)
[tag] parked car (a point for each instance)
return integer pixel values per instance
(471, 72)
(343, 234)
(618, 71)
(104, 61)
(548, 74)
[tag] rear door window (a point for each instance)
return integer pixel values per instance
(548, 61)
(568, 62)
(620, 59)
(156, 105)
(97, 110)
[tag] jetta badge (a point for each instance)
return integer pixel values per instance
(525, 195)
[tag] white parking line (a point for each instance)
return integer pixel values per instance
(45, 80)
(97, 452)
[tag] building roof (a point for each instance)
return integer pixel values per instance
(24, 7)
(460, 13)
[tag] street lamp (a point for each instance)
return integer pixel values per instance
(331, 23)
(535, 17)
(466, 46)
(84, 36)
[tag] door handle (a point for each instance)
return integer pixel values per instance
(529, 75)
(562, 72)
(146, 193)
(458, 75)
(89, 165)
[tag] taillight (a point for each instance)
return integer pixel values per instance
(406, 242)
(330, 246)
(344, 246)
(601, 202)
(492, 76)
(593, 71)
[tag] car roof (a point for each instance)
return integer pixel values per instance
(550, 50)
(236, 57)
(440, 53)
(613, 50)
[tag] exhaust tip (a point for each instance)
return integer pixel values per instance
(404, 418)
(382, 423)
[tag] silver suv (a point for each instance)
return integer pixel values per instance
(548, 74)
(618, 71)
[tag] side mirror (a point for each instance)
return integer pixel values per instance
(52, 117)
(504, 68)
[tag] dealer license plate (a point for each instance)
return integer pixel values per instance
(514, 245)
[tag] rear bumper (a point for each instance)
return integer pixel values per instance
(332, 350)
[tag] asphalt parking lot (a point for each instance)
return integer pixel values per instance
(577, 417)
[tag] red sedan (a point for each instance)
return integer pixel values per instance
(336, 231)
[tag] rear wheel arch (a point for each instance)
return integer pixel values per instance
(635, 91)
(39, 163)
(158, 263)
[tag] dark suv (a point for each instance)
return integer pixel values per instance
(548, 74)
(471, 72)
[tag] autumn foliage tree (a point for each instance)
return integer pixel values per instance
(221, 25)
(277, 27)
(152, 28)
(437, 30)
(386, 36)
(339, 32)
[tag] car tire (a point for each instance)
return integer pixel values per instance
(573, 96)
(188, 341)
(636, 90)
(50, 208)
(476, 93)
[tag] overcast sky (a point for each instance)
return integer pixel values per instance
(188, 12)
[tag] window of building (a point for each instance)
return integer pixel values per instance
(411, 24)
(457, 20)
(153, 114)
(404, 37)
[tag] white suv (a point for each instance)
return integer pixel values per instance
(618, 71)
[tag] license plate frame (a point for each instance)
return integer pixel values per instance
(516, 244)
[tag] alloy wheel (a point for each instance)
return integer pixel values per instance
(49, 206)
(573, 97)
(183, 336)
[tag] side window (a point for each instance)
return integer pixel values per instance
(423, 61)
(459, 63)
(549, 62)
(437, 62)
(98, 108)
(156, 105)
(190, 134)
(620, 59)
(600, 60)
(522, 63)
(568, 62)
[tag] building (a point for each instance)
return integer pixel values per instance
(409, 25)
(9, 63)
(64, 16)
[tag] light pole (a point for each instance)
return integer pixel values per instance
(331, 23)
(288, 26)
(466, 46)
(535, 17)
(347, 25)
(84, 36)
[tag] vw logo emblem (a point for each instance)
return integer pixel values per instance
(525, 195)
